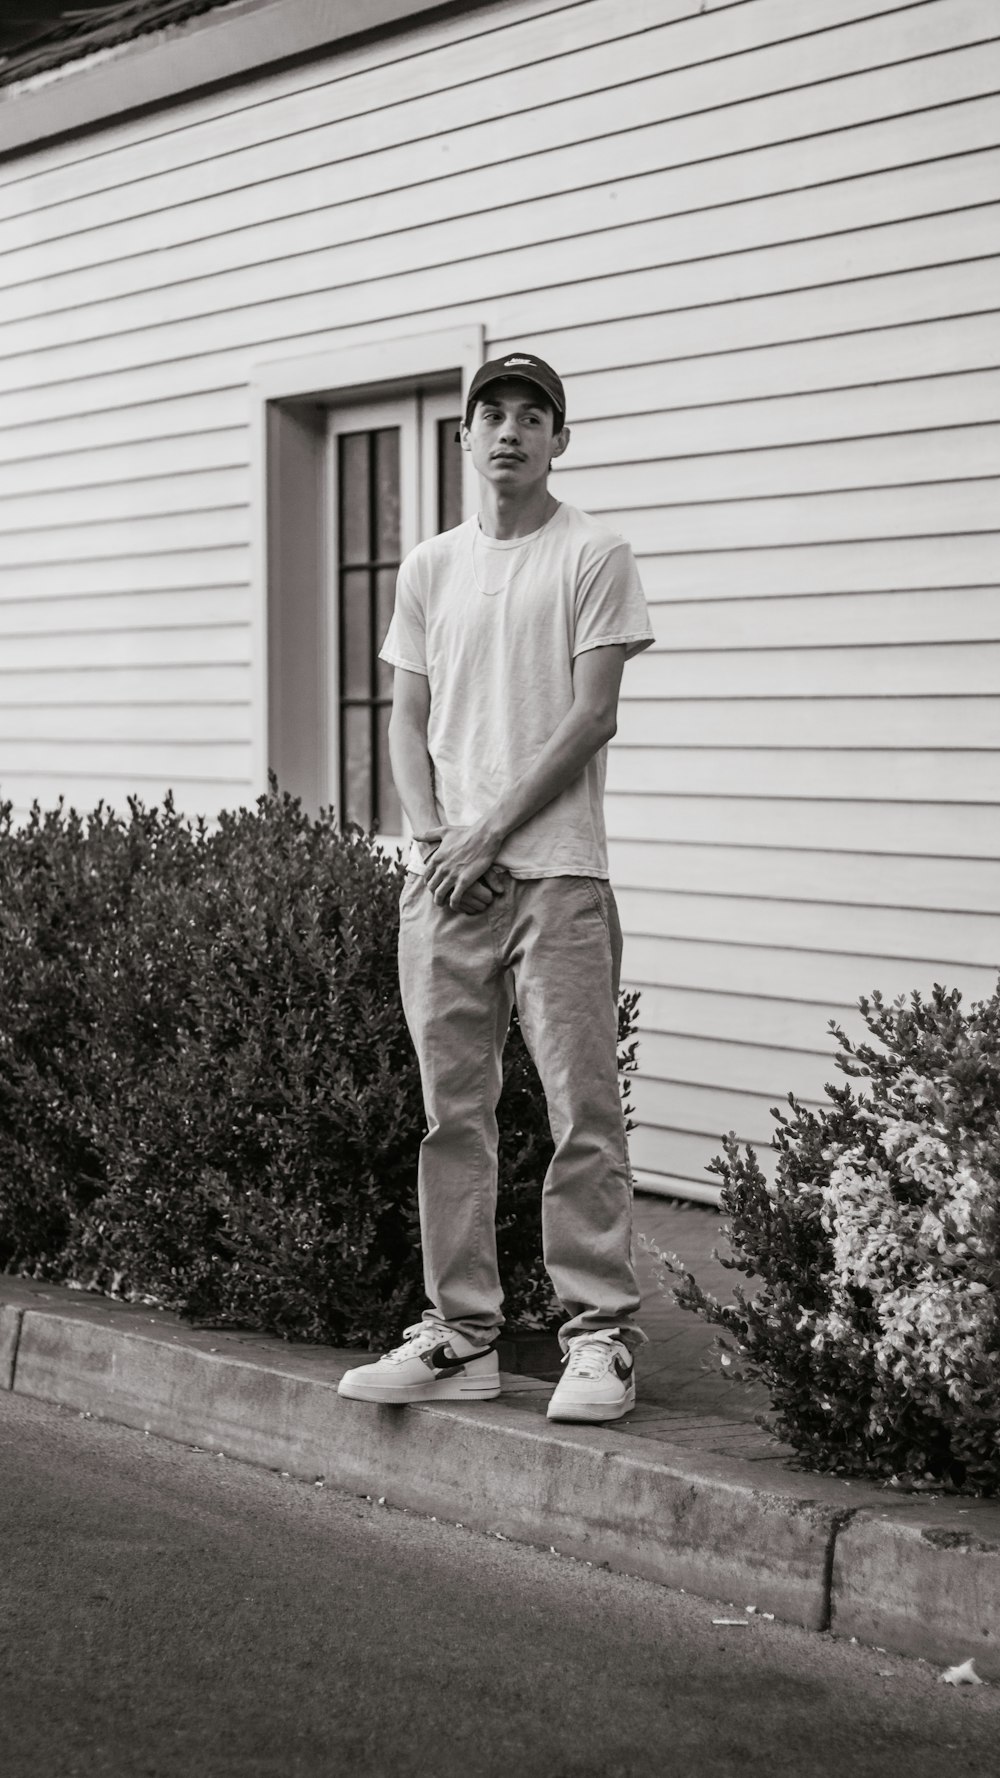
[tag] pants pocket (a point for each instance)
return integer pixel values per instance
(596, 888)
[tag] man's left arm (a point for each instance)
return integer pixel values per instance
(466, 852)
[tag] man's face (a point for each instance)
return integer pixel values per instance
(511, 438)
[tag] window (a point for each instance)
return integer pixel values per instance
(396, 475)
(325, 512)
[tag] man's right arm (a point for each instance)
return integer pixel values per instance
(411, 763)
(413, 775)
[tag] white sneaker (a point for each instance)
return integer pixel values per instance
(432, 1364)
(599, 1380)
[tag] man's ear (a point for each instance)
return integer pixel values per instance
(559, 441)
(463, 437)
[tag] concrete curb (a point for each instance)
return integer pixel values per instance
(902, 1581)
(807, 1548)
(10, 1334)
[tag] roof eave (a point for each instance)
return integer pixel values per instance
(217, 49)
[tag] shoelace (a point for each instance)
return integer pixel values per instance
(415, 1340)
(590, 1358)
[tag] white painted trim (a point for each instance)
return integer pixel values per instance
(663, 1185)
(258, 597)
(343, 374)
(352, 372)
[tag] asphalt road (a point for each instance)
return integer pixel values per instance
(167, 1613)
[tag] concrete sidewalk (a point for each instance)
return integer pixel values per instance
(687, 1490)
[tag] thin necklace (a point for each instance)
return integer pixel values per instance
(500, 589)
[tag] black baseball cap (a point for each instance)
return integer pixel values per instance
(531, 370)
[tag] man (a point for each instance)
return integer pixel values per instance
(508, 639)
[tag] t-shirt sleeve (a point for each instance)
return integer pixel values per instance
(611, 605)
(405, 641)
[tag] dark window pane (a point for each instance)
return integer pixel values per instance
(449, 460)
(385, 597)
(356, 765)
(355, 634)
(368, 497)
(390, 814)
(387, 495)
(354, 497)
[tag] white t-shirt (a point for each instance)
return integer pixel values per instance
(500, 666)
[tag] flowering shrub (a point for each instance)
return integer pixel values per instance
(208, 1093)
(876, 1326)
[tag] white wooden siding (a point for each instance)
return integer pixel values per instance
(762, 243)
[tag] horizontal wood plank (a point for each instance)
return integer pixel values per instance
(162, 570)
(165, 682)
(778, 570)
(902, 775)
(905, 670)
(831, 981)
(704, 1110)
(958, 614)
(675, 1154)
(957, 453)
(661, 285)
(148, 760)
(715, 431)
(743, 1019)
(166, 723)
(88, 436)
(126, 537)
(764, 394)
(738, 919)
(140, 460)
(883, 722)
(223, 645)
(189, 609)
(184, 491)
(83, 790)
(788, 874)
(650, 1187)
(734, 1067)
(927, 509)
(763, 344)
(935, 830)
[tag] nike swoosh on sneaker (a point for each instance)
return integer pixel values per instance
(442, 1360)
(624, 1370)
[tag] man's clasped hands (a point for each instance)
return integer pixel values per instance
(460, 869)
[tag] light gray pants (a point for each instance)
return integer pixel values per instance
(555, 944)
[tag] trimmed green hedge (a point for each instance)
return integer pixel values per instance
(208, 1094)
